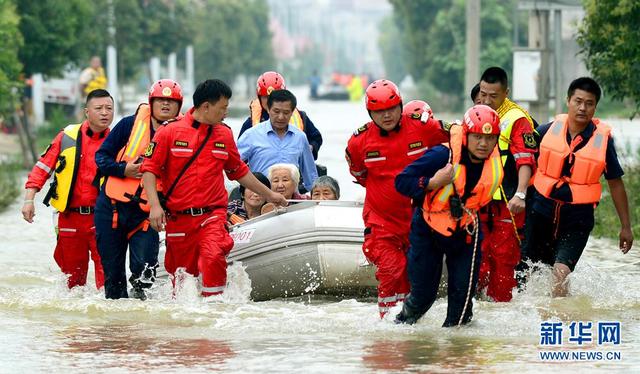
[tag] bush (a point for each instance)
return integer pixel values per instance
(9, 189)
(45, 133)
(607, 222)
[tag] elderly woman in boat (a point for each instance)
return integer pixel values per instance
(325, 188)
(284, 179)
(249, 205)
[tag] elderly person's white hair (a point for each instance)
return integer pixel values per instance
(293, 170)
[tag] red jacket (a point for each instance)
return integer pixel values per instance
(376, 156)
(84, 191)
(202, 185)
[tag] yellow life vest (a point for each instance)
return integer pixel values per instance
(99, 81)
(256, 115)
(509, 113)
(66, 168)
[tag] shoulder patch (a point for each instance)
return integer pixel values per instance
(181, 143)
(360, 130)
(529, 140)
(150, 148)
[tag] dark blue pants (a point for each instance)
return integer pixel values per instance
(113, 243)
(424, 265)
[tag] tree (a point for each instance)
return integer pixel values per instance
(10, 67)
(54, 34)
(609, 40)
(393, 55)
(232, 38)
(434, 36)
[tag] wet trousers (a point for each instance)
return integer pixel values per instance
(500, 251)
(424, 264)
(200, 245)
(76, 243)
(387, 250)
(132, 231)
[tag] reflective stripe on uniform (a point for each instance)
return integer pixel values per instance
(521, 155)
(213, 289)
(43, 166)
(174, 234)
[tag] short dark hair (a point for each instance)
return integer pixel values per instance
(585, 84)
(475, 91)
(97, 93)
(211, 91)
(259, 176)
(279, 96)
(495, 74)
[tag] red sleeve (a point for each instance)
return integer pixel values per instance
(45, 165)
(234, 167)
(156, 154)
(436, 134)
(523, 145)
(355, 160)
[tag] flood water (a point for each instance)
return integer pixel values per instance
(45, 327)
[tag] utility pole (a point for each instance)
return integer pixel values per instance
(539, 40)
(112, 58)
(472, 64)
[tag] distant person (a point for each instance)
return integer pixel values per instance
(503, 218)
(122, 210)
(271, 81)
(189, 157)
(376, 153)
(277, 141)
(314, 84)
(453, 181)
(355, 88)
(575, 151)
(249, 205)
(73, 192)
(325, 188)
(92, 77)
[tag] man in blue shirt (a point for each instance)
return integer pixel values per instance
(275, 141)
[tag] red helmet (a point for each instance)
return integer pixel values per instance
(382, 94)
(481, 119)
(168, 89)
(417, 109)
(268, 82)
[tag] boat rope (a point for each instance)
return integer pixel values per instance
(475, 233)
(513, 219)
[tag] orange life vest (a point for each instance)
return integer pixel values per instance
(589, 164)
(256, 115)
(129, 189)
(436, 208)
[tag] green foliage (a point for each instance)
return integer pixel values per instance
(606, 218)
(54, 34)
(9, 188)
(609, 40)
(233, 38)
(433, 33)
(9, 65)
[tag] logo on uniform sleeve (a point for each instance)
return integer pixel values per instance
(373, 154)
(150, 148)
(220, 145)
(529, 140)
(415, 145)
(181, 143)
